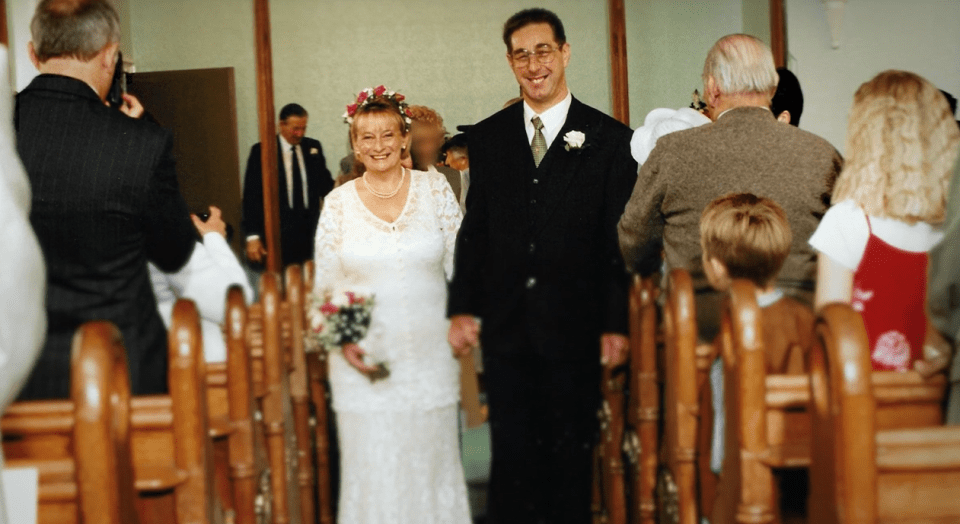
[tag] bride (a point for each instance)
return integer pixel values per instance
(391, 233)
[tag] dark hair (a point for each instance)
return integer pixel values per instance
(292, 110)
(537, 15)
(77, 29)
(457, 142)
(789, 96)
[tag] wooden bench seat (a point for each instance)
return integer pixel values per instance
(168, 441)
(860, 471)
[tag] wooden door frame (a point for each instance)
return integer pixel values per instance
(619, 79)
(268, 134)
(778, 32)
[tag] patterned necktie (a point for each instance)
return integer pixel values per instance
(539, 144)
(297, 204)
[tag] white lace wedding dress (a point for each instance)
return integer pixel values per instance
(400, 457)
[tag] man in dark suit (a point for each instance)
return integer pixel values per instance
(744, 150)
(537, 261)
(105, 196)
(304, 181)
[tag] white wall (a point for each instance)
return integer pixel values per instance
(667, 41)
(446, 55)
(19, 14)
(922, 36)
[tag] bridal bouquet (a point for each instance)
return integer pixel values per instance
(335, 319)
(338, 319)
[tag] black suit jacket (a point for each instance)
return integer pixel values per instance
(537, 255)
(105, 200)
(297, 230)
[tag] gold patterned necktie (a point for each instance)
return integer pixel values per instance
(539, 144)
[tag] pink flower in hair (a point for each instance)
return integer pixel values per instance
(379, 91)
(351, 109)
(361, 97)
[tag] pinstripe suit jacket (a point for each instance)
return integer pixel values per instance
(105, 200)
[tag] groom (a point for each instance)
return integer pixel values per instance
(538, 261)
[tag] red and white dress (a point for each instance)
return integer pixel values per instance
(889, 263)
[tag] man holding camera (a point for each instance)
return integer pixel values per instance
(105, 196)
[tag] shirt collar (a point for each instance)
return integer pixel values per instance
(283, 140)
(740, 107)
(553, 118)
(769, 298)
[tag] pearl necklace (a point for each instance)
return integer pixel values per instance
(403, 172)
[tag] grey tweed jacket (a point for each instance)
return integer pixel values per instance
(745, 150)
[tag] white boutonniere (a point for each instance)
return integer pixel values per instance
(314, 151)
(574, 140)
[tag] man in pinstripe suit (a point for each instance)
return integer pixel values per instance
(105, 196)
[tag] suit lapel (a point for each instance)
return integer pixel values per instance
(516, 153)
(559, 167)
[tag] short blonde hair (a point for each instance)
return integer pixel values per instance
(901, 146)
(750, 235)
(741, 64)
(426, 115)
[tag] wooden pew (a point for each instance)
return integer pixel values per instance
(320, 400)
(271, 380)
(100, 389)
(296, 298)
(169, 439)
(754, 453)
(610, 452)
(677, 493)
(860, 472)
(249, 475)
(781, 439)
(643, 411)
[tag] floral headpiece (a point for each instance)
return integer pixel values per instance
(370, 94)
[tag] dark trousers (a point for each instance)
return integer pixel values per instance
(543, 423)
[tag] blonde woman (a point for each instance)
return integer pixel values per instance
(890, 199)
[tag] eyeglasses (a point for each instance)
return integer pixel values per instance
(544, 54)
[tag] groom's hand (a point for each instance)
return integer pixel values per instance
(613, 349)
(464, 334)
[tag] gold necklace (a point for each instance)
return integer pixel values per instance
(403, 172)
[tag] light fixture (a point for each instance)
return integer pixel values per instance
(834, 20)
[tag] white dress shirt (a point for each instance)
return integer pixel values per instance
(552, 119)
(286, 149)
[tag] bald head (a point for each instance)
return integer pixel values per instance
(77, 29)
(741, 65)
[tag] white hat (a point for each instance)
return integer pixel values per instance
(660, 122)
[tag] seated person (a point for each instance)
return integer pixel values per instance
(787, 101)
(456, 156)
(889, 206)
(746, 236)
(427, 137)
(205, 279)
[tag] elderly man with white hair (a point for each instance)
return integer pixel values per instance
(744, 149)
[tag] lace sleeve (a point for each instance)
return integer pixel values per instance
(326, 253)
(449, 215)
